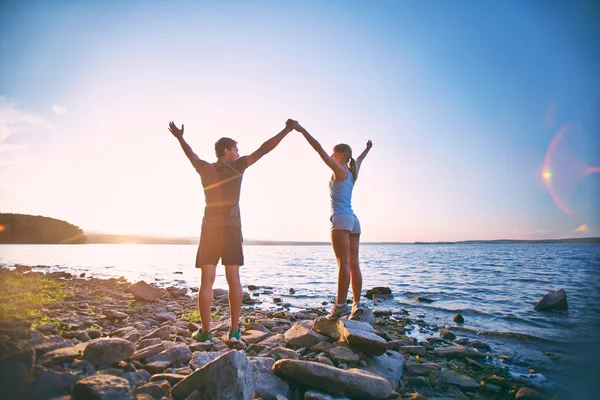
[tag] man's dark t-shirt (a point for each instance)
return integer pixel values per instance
(222, 184)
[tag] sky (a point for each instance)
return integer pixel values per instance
(484, 116)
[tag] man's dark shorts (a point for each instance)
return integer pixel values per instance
(220, 242)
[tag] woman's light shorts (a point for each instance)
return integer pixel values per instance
(346, 222)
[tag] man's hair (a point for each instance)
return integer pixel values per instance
(222, 144)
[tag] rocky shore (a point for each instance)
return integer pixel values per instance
(111, 339)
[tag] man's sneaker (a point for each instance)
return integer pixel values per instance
(357, 310)
(198, 336)
(234, 335)
(338, 311)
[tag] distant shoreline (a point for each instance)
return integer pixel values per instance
(95, 238)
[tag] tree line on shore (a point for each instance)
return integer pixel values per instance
(36, 229)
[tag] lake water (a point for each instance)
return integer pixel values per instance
(494, 286)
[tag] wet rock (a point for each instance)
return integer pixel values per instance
(414, 350)
(354, 382)
(421, 369)
(458, 319)
(454, 378)
(422, 299)
(552, 300)
(230, 376)
(382, 291)
(105, 351)
(458, 352)
(302, 335)
(144, 292)
(102, 387)
(268, 385)
(447, 335)
(529, 394)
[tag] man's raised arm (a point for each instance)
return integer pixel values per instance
(178, 133)
(271, 143)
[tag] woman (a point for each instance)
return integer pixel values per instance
(345, 227)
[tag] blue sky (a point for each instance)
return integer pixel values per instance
(461, 100)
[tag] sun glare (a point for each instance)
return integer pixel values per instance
(547, 175)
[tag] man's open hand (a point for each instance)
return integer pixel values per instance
(178, 133)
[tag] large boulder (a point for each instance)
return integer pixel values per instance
(230, 376)
(353, 383)
(389, 365)
(552, 300)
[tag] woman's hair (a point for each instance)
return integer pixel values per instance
(222, 144)
(344, 148)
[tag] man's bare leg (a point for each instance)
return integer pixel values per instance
(205, 296)
(232, 273)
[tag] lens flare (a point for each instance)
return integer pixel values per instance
(2, 228)
(563, 171)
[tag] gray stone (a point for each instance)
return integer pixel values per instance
(254, 336)
(352, 383)
(148, 352)
(102, 387)
(106, 351)
(343, 355)
(389, 365)
(230, 376)
(460, 380)
(302, 335)
(280, 353)
(136, 377)
(50, 383)
(358, 334)
(161, 333)
(268, 385)
(421, 369)
(316, 395)
(458, 352)
(414, 350)
(66, 354)
(201, 358)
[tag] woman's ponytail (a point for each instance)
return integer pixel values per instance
(353, 169)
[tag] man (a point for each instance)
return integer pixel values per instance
(221, 234)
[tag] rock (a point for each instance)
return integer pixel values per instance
(200, 359)
(552, 300)
(59, 356)
(102, 387)
(268, 385)
(157, 367)
(136, 377)
(152, 389)
(379, 290)
(458, 352)
(148, 352)
(115, 315)
(13, 376)
(343, 355)
(161, 333)
(529, 394)
(316, 395)
(421, 369)
(177, 292)
(252, 287)
(389, 365)
(366, 316)
(458, 319)
(50, 383)
(302, 335)
(321, 346)
(254, 336)
(173, 379)
(415, 350)
(281, 353)
(448, 335)
(181, 354)
(460, 380)
(358, 334)
(165, 316)
(144, 292)
(105, 351)
(230, 376)
(422, 299)
(353, 383)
